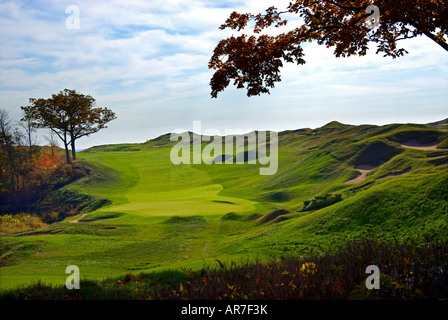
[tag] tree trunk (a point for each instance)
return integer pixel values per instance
(30, 140)
(67, 154)
(73, 150)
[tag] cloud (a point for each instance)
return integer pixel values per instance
(147, 60)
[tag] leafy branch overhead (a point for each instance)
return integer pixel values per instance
(254, 62)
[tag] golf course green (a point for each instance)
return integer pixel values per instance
(163, 216)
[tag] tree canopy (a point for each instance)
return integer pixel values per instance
(254, 62)
(70, 115)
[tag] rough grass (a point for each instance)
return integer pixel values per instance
(407, 271)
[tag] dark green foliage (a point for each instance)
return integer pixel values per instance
(70, 202)
(321, 202)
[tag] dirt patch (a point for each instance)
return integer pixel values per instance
(362, 175)
(363, 169)
(77, 220)
(414, 144)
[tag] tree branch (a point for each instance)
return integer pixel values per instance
(443, 44)
(355, 9)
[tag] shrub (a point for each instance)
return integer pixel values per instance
(320, 202)
(19, 222)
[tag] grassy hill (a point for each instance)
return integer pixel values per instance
(160, 216)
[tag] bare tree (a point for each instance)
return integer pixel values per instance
(30, 129)
(6, 143)
(52, 141)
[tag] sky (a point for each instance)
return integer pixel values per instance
(148, 62)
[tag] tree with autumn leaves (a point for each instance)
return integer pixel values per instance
(29, 171)
(254, 62)
(70, 115)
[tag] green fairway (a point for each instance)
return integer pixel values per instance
(164, 216)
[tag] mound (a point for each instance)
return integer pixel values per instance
(189, 219)
(334, 125)
(231, 216)
(414, 144)
(417, 137)
(278, 196)
(271, 216)
(439, 123)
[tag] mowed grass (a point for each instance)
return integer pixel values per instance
(131, 235)
(167, 217)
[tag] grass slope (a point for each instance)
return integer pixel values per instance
(167, 217)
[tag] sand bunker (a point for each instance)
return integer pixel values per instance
(363, 169)
(414, 144)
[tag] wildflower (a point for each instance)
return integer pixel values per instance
(292, 285)
(308, 268)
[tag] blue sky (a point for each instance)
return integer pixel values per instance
(147, 61)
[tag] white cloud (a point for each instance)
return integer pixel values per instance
(147, 60)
